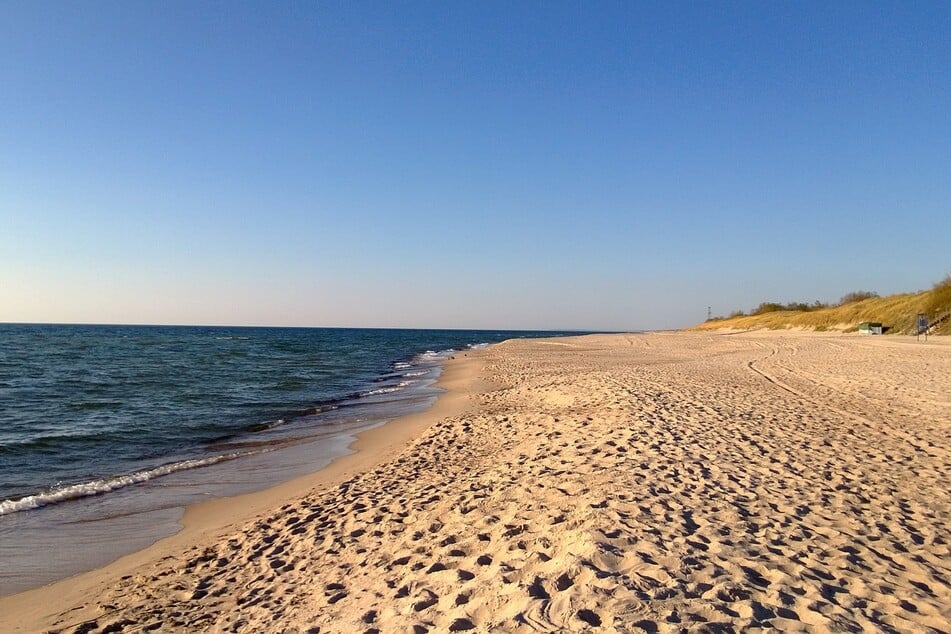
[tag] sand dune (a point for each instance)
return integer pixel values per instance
(657, 482)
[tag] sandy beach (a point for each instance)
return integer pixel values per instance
(620, 483)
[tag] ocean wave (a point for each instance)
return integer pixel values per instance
(289, 384)
(97, 487)
(425, 359)
(256, 427)
(382, 390)
(94, 405)
(53, 441)
(318, 408)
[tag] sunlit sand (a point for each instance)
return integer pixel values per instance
(614, 482)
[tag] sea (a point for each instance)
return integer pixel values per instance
(108, 432)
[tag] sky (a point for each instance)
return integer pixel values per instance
(564, 165)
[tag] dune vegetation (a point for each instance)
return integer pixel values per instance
(897, 313)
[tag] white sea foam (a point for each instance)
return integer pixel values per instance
(401, 365)
(95, 487)
(382, 390)
(417, 373)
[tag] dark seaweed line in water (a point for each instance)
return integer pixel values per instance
(105, 485)
(100, 486)
(94, 412)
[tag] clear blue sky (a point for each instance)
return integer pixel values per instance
(586, 165)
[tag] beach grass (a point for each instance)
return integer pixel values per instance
(898, 314)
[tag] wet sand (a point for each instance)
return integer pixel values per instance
(626, 483)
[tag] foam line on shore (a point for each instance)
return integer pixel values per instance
(106, 485)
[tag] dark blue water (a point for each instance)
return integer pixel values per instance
(81, 404)
(112, 421)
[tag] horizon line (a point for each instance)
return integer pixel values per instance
(181, 325)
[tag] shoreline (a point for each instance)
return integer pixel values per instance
(91, 517)
(660, 481)
(209, 519)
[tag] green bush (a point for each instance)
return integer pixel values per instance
(767, 307)
(856, 296)
(772, 307)
(800, 306)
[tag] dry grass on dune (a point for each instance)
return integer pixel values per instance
(897, 312)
